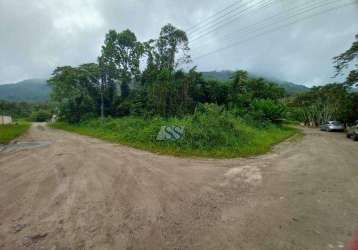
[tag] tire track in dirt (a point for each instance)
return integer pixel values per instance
(83, 193)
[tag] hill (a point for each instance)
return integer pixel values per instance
(32, 90)
(37, 90)
(291, 88)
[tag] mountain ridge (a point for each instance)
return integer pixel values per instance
(37, 90)
(30, 90)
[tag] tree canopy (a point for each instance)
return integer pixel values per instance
(347, 59)
(146, 79)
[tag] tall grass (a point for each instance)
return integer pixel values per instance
(208, 133)
(11, 131)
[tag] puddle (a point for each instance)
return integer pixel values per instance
(21, 145)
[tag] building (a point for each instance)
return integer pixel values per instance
(5, 120)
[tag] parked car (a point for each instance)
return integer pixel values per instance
(332, 126)
(352, 131)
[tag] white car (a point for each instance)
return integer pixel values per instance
(332, 126)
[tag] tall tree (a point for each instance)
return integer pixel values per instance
(239, 81)
(150, 73)
(109, 71)
(120, 62)
(172, 43)
(345, 60)
(128, 54)
(167, 92)
(239, 95)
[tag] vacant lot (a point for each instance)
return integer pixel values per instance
(83, 193)
(215, 136)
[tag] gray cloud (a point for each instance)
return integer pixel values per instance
(37, 36)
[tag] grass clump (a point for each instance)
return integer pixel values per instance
(11, 131)
(210, 132)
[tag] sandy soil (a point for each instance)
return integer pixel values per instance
(75, 192)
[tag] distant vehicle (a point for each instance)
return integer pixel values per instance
(332, 126)
(352, 131)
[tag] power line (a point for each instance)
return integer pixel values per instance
(274, 29)
(260, 5)
(271, 30)
(303, 9)
(219, 12)
(249, 26)
(201, 25)
(217, 19)
(209, 24)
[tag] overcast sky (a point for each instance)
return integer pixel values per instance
(37, 36)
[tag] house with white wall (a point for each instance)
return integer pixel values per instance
(5, 120)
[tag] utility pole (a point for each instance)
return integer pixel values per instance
(102, 100)
(101, 84)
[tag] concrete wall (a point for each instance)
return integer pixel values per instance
(5, 120)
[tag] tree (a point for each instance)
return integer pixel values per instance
(75, 91)
(323, 103)
(266, 110)
(125, 90)
(239, 81)
(244, 90)
(171, 42)
(129, 52)
(150, 73)
(108, 70)
(167, 90)
(21, 109)
(120, 63)
(239, 95)
(262, 89)
(345, 60)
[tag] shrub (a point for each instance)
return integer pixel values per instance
(211, 126)
(265, 110)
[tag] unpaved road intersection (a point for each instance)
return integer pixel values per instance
(75, 192)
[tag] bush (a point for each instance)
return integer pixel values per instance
(211, 126)
(267, 111)
(41, 116)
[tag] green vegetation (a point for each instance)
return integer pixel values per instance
(324, 103)
(209, 132)
(11, 131)
(120, 100)
(240, 116)
(116, 86)
(36, 112)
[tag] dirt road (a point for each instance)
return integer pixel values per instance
(65, 191)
